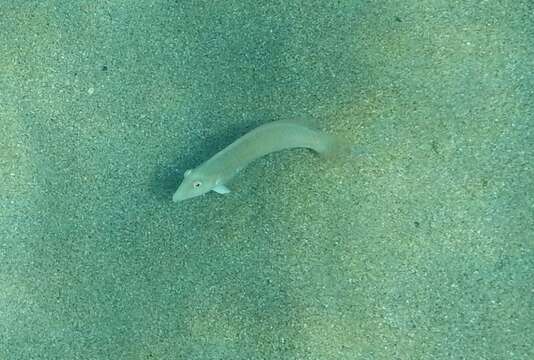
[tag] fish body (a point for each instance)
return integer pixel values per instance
(217, 171)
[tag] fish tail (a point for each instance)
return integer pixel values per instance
(340, 149)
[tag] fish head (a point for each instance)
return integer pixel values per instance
(194, 184)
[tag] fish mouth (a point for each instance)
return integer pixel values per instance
(178, 196)
(181, 195)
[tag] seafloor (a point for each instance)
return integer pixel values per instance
(421, 246)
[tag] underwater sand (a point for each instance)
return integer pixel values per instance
(421, 247)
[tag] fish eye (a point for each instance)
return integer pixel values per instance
(196, 184)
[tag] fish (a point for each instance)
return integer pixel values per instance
(215, 173)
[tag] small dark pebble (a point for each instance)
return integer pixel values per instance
(398, 19)
(417, 224)
(104, 68)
